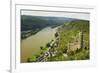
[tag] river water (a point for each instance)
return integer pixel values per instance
(31, 45)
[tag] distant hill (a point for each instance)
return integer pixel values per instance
(40, 22)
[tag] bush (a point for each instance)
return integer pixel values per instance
(32, 59)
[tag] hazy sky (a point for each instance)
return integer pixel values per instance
(84, 16)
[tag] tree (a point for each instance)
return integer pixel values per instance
(48, 45)
(41, 47)
(56, 34)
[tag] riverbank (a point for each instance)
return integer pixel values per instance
(31, 45)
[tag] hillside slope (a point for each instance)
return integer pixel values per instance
(74, 40)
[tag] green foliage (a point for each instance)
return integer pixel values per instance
(43, 50)
(32, 59)
(41, 47)
(82, 55)
(69, 34)
(56, 34)
(48, 45)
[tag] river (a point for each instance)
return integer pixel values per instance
(31, 45)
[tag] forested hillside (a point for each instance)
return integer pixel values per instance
(39, 22)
